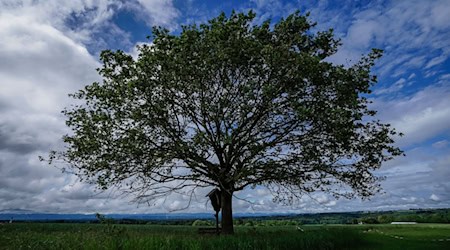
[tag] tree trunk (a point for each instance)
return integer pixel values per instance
(227, 213)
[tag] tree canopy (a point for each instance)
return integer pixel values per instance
(231, 104)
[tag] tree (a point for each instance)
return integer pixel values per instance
(385, 218)
(230, 104)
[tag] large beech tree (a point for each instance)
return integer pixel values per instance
(230, 104)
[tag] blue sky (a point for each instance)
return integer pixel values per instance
(50, 48)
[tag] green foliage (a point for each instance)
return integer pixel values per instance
(419, 216)
(267, 223)
(236, 104)
(198, 223)
(116, 232)
(103, 219)
(249, 223)
(385, 218)
(369, 220)
(380, 217)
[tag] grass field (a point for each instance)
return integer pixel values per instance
(101, 236)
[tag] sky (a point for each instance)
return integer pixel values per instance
(51, 48)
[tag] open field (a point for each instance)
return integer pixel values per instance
(102, 236)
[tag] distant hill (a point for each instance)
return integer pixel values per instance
(372, 217)
(26, 215)
(16, 211)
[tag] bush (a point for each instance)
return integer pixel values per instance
(200, 223)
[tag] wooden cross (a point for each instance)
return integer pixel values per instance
(215, 198)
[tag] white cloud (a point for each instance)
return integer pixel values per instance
(434, 197)
(421, 116)
(440, 144)
(40, 62)
(134, 50)
(415, 62)
(159, 13)
(40, 65)
(361, 34)
(44, 56)
(436, 61)
(411, 179)
(268, 9)
(398, 85)
(322, 198)
(331, 203)
(407, 31)
(410, 199)
(79, 20)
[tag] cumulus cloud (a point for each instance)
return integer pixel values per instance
(160, 13)
(434, 197)
(411, 179)
(44, 56)
(420, 116)
(48, 48)
(85, 22)
(413, 41)
(40, 65)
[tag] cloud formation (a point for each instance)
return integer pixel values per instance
(50, 48)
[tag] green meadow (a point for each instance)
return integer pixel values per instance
(114, 236)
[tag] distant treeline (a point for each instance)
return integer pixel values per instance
(420, 216)
(413, 215)
(381, 217)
